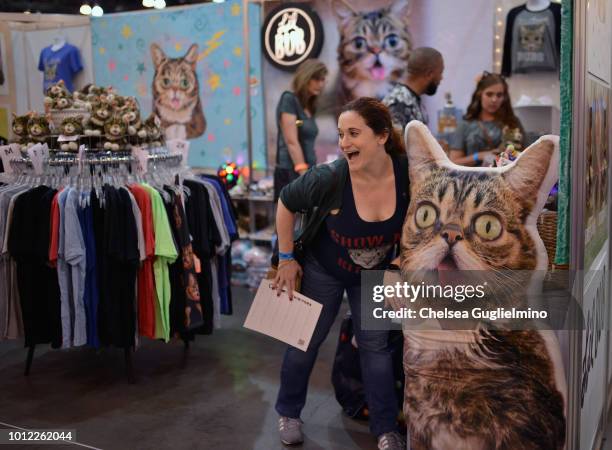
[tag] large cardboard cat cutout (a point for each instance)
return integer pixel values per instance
(480, 389)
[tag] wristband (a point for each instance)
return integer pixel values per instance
(285, 256)
(476, 157)
(300, 166)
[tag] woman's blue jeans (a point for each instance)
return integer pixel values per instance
(374, 353)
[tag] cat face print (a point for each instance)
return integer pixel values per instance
(532, 37)
(374, 47)
(176, 91)
(475, 218)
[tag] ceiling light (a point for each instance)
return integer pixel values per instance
(218, 1)
(148, 3)
(27, 11)
(85, 9)
(159, 4)
(97, 11)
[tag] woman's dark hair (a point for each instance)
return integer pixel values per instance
(505, 113)
(376, 116)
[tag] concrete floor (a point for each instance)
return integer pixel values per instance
(221, 396)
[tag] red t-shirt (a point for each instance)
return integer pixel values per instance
(146, 282)
(54, 231)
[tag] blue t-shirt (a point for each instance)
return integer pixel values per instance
(62, 64)
(346, 244)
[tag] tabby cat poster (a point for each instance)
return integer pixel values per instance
(367, 44)
(188, 65)
(597, 162)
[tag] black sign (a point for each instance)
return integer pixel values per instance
(292, 33)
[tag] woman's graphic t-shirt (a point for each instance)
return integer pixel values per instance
(346, 244)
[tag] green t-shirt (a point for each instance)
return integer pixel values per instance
(165, 254)
(307, 132)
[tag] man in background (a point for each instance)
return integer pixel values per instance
(424, 74)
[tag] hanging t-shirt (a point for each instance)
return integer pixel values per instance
(165, 253)
(146, 282)
(28, 243)
(62, 64)
(532, 42)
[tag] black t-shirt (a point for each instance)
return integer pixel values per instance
(28, 244)
(346, 244)
(117, 314)
(206, 237)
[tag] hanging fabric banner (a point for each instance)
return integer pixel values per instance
(188, 67)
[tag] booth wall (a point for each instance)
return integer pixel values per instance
(456, 29)
(7, 84)
(123, 58)
(28, 45)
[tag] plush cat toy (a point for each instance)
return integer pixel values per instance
(153, 131)
(38, 129)
(131, 116)
(71, 126)
(101, 113)
(58, 97)
(479, 388)
(115, 130)
(20, 129)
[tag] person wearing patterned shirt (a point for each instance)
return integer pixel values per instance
(424, 69)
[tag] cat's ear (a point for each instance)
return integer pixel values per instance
(342, 10)
(158, 55)
(192, 55)
(535, 171)
(400, 9)
(424, 152)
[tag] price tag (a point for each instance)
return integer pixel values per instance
(45, 151)
(35, 153)
(81, 157)
(140, 160)
(181, 147)
(7, 154)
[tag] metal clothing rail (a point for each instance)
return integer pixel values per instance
(70, 159)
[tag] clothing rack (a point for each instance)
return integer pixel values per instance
(98, 158)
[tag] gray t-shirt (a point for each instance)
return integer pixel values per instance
(533, 42)
(71, 270)
(471, 138)
(307, 132)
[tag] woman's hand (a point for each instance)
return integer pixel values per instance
(286, 276)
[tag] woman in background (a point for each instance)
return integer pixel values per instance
(297, 129)
(488, 125)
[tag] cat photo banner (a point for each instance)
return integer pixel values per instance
(187, 66)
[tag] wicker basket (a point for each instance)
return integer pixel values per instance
(58, 115)
(547, 227)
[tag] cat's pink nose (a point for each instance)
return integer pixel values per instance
(452, 234)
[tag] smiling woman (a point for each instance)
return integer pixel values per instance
(355, 208)
(490, 117)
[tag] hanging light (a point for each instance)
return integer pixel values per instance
(97, 11)
(159, 4)
(148, 3)
(85, 9)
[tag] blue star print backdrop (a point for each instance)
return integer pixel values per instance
(188, 66)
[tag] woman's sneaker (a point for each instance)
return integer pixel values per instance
(290, 430)
(391, 441)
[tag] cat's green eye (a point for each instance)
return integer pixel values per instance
(488, 227)
(426, 216)
(166, 82)
(184, 83)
